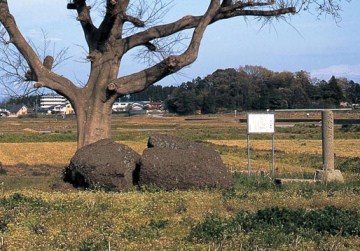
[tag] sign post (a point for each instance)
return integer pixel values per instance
(261, 123)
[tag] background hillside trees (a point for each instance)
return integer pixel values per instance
(352, 91)
(155, 93)
(255, 87)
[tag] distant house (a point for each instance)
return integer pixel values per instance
(69, 109)
(4, 112)
(137, 107)
(61, 109)
(56, 109)
(121, 106)
(17, 110)
(355, 106)
(345, 104)
(154, 106)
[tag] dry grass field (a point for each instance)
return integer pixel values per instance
(345, 148)
(40, 212)
(60, 153)
(46, 153)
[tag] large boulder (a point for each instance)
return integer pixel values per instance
(104, 164)
(174, 163)
(171, 142)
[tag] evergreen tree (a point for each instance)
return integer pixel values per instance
(332, 93)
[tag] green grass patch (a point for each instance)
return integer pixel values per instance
(38, 137)
(276, 226)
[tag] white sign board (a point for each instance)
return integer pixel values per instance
(260, 123)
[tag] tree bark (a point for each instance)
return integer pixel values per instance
(93, 123)
(93, 106)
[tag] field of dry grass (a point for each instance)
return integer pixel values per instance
(46, 153)
(39, 212)
(60, 153)
(345, 148)
(342, 148)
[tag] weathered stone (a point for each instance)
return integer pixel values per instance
(329, 176)
(328, 139)
(171, 142)
(174, 163)
(104, 164)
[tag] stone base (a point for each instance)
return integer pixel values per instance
(281, 181)
(329, 176)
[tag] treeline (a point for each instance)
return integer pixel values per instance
(246, 88)
(257, 88)
(155, 93)
(29, 101)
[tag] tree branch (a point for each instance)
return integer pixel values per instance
(90, 31)
(139, 81)
(16, 37)
(229, 6)
(189, 22)
(259, 13)
(135, 21)
(159, 31)
(40, 72)
(112, 25)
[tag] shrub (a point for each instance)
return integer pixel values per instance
(334, 221)
(87, 245)
(2, 170)
(212, 229)
(273, 227)
(350, 128)
(150, 231)
(4, 221)
(18, 199)
(349, 165)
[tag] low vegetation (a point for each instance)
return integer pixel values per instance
(39, 212)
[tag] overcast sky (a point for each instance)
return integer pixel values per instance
(319, 46)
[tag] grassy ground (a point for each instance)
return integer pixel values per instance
(39, 212)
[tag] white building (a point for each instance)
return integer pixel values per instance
(50, 100)
(121, 106)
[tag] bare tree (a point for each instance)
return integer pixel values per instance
(15, 75)
(129, 24)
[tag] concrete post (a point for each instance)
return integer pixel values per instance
(328, 173)
(328, 139)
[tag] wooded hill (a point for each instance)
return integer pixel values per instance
(257, 88)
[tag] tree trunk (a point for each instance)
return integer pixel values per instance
(93, 105)
(93, 125)
(93, 122)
